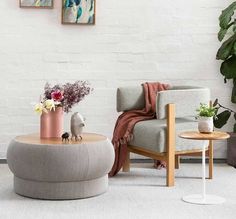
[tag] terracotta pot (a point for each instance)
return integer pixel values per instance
(205, 124)
(51, 123)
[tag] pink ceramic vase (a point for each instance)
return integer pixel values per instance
(51, 123)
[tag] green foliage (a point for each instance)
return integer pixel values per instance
(206, 111)
(228, 68)
(227, 48)
(226, 15)
(233, 96)
(222, 118)
(221, 34)
(227, 51)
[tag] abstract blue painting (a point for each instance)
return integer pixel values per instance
(78, 11)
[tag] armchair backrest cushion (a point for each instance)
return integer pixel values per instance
(186, 98)
(130, 98)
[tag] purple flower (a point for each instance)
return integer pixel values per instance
(69, 94)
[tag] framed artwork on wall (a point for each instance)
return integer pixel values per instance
(78, 12)
(36, 3)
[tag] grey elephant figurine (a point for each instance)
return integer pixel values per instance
(76, 126)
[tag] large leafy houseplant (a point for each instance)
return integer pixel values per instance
(227, 51)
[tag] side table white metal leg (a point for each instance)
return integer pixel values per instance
(203, 199)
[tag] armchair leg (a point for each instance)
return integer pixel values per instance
(210, 159)
(126, 166)
(170, 169)
(177, 161)
(170, 146)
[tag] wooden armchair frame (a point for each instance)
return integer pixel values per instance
(171, 157)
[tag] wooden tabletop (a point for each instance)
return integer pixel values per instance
(195, 135)
(35, 139)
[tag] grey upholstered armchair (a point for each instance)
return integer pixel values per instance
(157, 138)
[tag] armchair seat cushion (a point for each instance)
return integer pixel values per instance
(151, 135)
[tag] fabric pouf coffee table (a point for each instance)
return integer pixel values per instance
(51, 169)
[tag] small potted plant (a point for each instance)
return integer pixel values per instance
(205, 118)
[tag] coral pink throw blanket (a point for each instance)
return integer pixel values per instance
(126, 121)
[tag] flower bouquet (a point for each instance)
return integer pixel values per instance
(56, 100)
(66, 96)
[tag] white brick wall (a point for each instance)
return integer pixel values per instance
(133, 41)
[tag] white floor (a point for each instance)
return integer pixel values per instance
(138, 194)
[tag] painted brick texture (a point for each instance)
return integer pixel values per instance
(133, 41)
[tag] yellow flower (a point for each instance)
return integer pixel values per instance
(38, 108)
(37, 3)
(49, 105)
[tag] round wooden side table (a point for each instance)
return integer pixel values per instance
(204, 198)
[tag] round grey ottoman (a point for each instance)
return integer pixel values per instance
(50, 169)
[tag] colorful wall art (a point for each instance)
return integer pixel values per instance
(78, 11)
(36, 3)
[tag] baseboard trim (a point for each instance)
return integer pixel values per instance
(185, 160)
(199, 160)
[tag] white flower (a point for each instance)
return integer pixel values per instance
(39, 108)
(50, 104)
(57, 103)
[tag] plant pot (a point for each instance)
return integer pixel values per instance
(205, 124)
(231, 149)
(51, 123)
